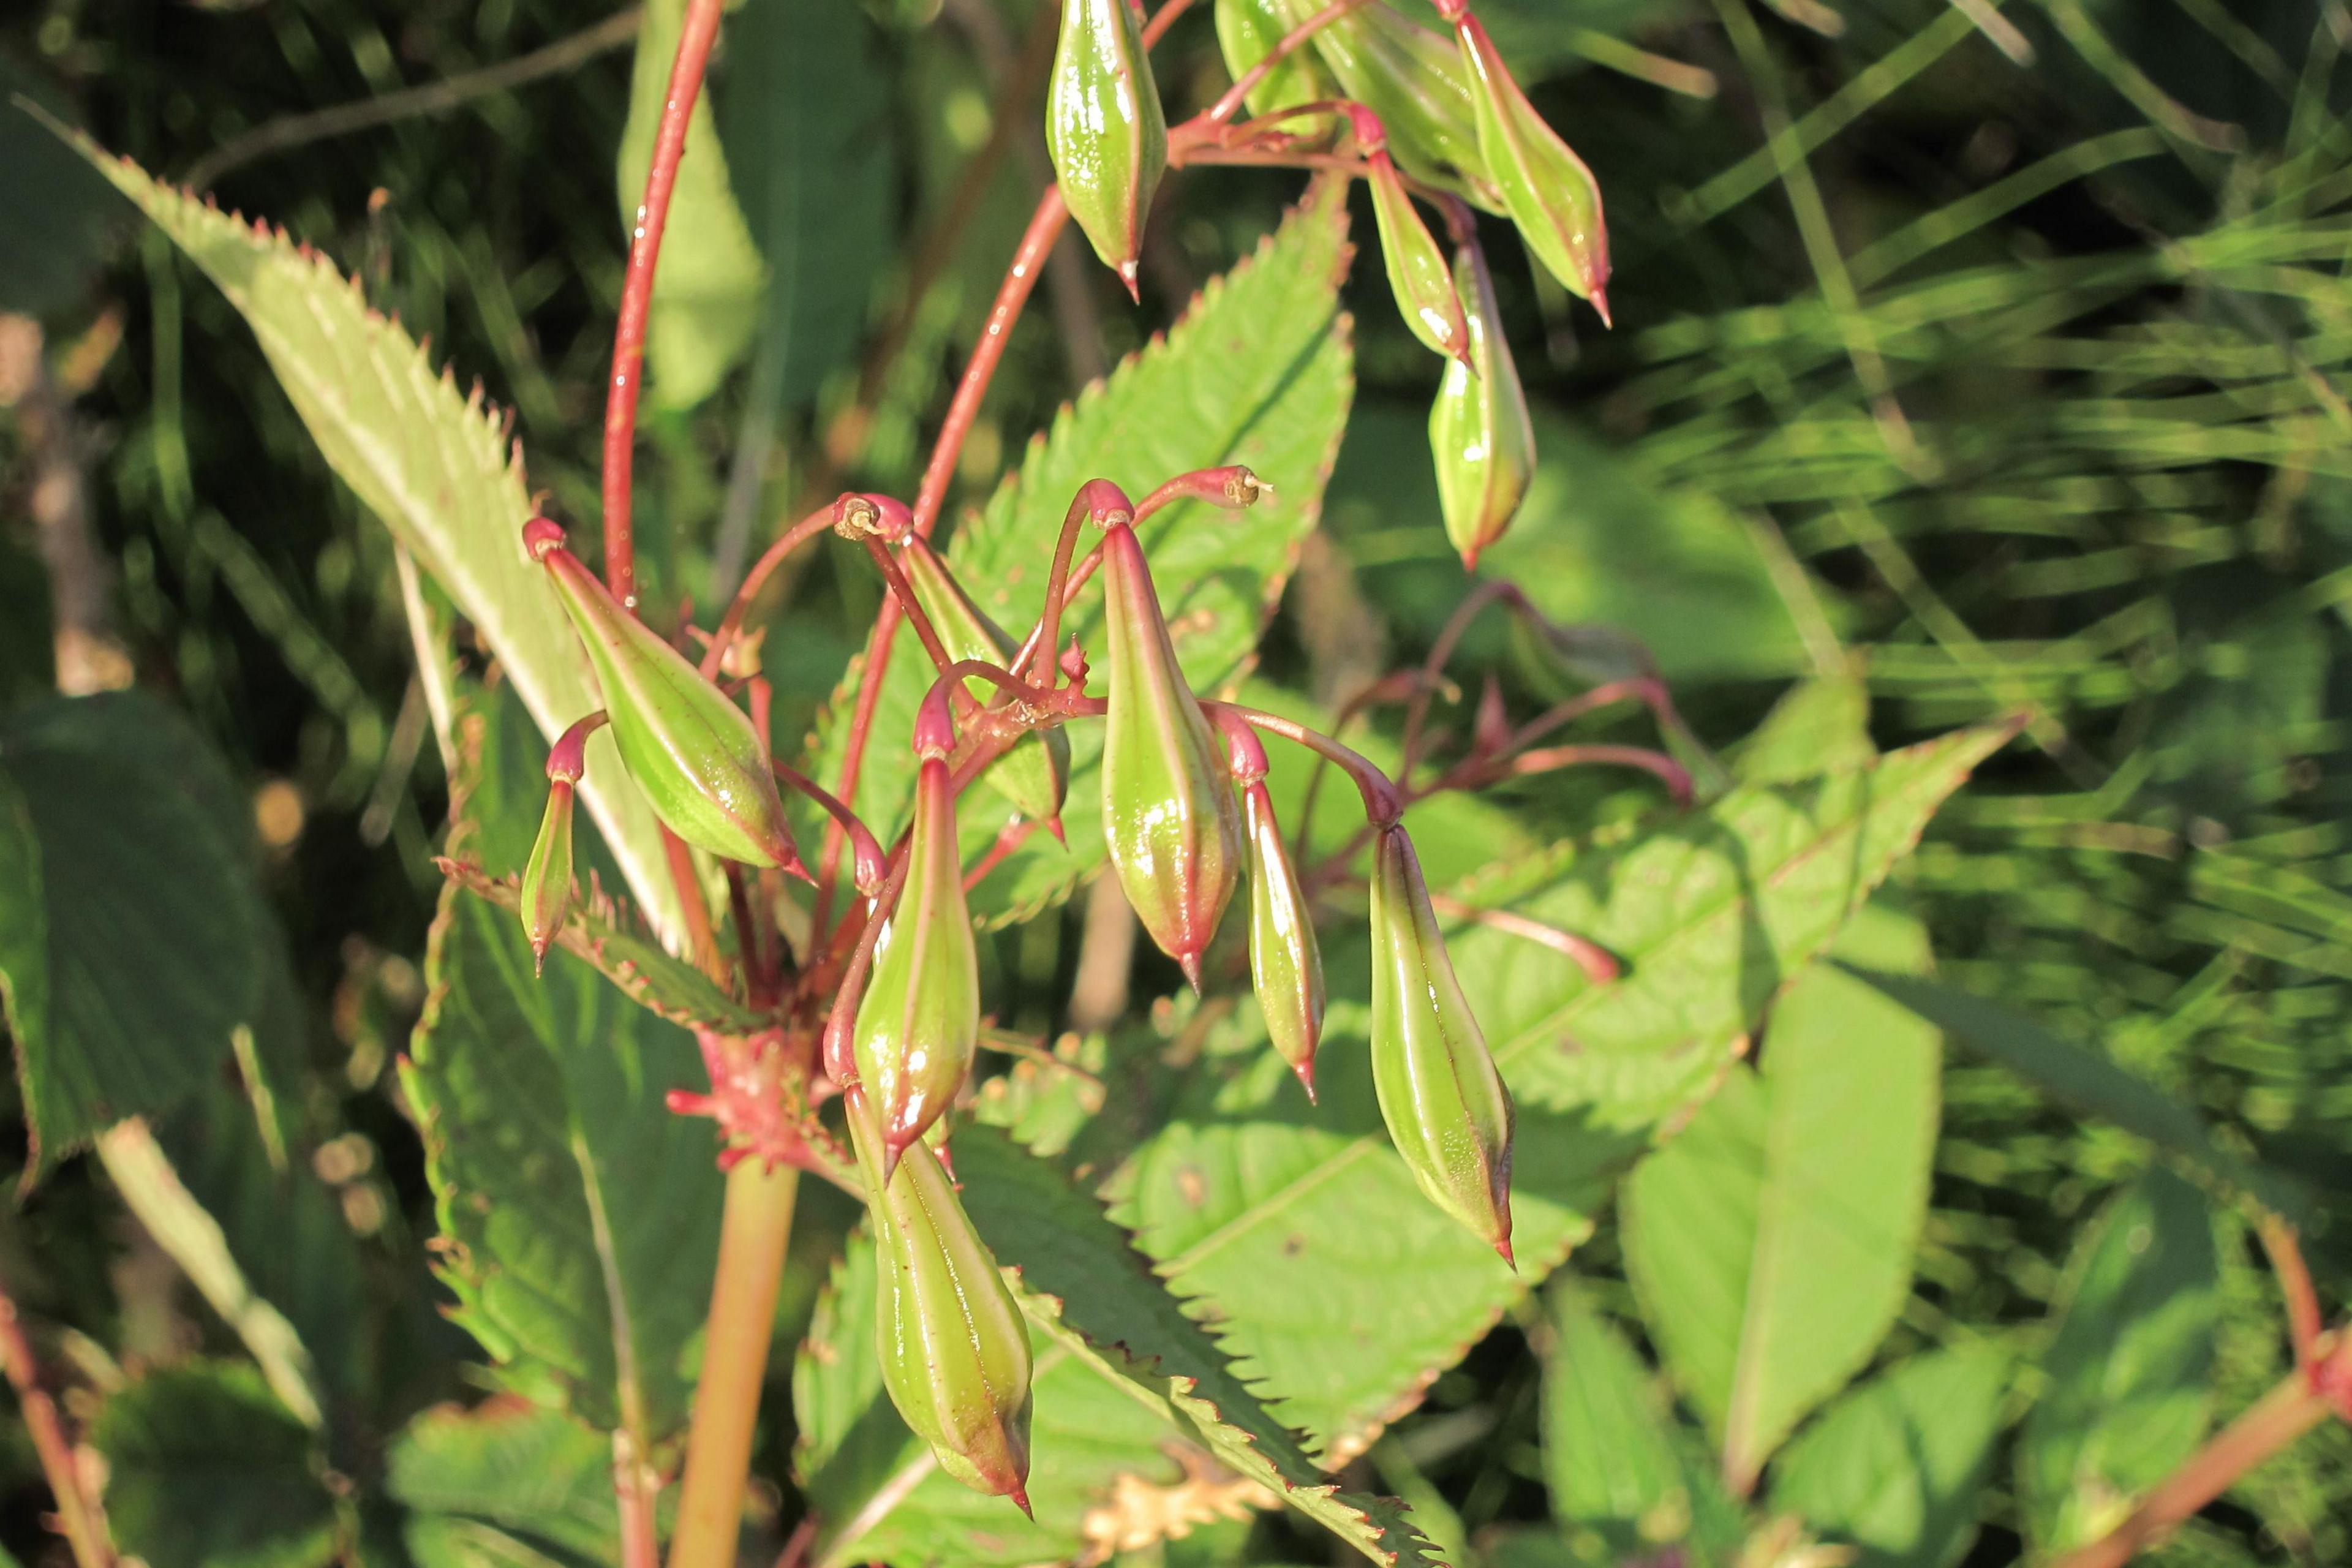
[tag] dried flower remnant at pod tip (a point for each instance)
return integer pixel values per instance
(1247, 31)
(859, 515)
(694, 755)
(1547, 189)
(919, 1022)
(1169, 816)
(1106, 129)
(1447, 1110)
(545, 893)
(1285, 962)
(953, 1345)
(1033, 773)
(1480, 437)
(1418, 275)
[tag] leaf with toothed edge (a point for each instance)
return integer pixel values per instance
(1127, 1386)
(1254, 1206)
(1258, 371)
(438, 467)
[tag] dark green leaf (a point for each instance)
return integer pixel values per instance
(505, 1482)
(2130, 1389)
(206, 1470)
(138, 949)
(1897, 1467)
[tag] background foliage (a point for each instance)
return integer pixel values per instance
(1970, 361)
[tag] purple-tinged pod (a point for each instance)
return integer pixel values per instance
(694, 755)
(1285, 962)
(1550, 193)
(954, 1347)
(1247, 31)
(1445, 1106)
(1169, 816)
(1479, 433)
(1105, 127)
(1033, 774)
(1418, 275)
(919, 1024)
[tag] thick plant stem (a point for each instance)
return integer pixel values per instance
(77, 1520)
(633, 1488)
(2273, 1422)
(701, 30)
(752, 1240)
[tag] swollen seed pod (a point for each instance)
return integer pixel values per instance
(1418, 276)
(1547, 189)
(1479, 433)
(1105, 128)
(1247, 31)
(919, 1022)
(1445, 1106)
(694, 755)
(547, 875)
(1286, 962)
(1034, 773)
(955, 1348)
(1413, 79)
(1169, 818)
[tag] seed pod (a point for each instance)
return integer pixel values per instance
(547, 875)
(955, 1348)
(1286, 963)
(1418, 276)
(1035, 773)
(1413, 79)
(1479, 433)
(1445, 1106)
(919, 1022)
(693, 754)
(1547, 189)
(1169, 816)
(1247, 31)
(1105, 128)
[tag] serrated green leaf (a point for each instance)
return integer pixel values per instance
(2086, 1082)
(2129, 1394)
(437, 467)
(1896, 1468)
(1771, 1241)
(206, 1470)
(706, 303)
(505, 1482)
(1259, 371)
(1618, 1465)
(1818, 726)
(138, 949)
(1128, 1385)
(1711, 913)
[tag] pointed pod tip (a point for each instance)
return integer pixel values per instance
(1053, 826)
(1601, 303)
(1306, 1071)
(1129, 274)
(538, 958)
(1502, 1247)
(1190, 962)
(1020, 1496)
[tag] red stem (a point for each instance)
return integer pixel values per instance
(78, 1517)
(799, 533)
(694, 40)
(909, 606)
(1292, 41)
(1383, 802)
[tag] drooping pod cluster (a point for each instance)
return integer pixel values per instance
(1441, 116)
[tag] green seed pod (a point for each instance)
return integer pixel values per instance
(919, 1022)
(1169, 816)
(1418, 276)
(955, 1348)
(1247, 31)
(1413, 79)
(1105, 128)
(1547, 189)
(1445, 1106)
(547, 876)
(1035, 773)
(1285, 962)
(1479, 433)
(693, 754)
